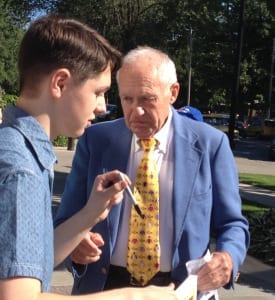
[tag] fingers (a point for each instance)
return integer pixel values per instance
(171, 286)
(114, 179)
(88, 250)
(111, 186)
(215, 273)
(96, 238)
(107, 191)
(80, 257)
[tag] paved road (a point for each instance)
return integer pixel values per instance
(252, 157)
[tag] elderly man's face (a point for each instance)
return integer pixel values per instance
(144, 98)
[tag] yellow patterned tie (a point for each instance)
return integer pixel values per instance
(143, 259)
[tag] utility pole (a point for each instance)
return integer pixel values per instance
(235, 92)
(271, 80)
(190, 65)
(0, 104)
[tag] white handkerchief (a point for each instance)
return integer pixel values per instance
(192, 268)
(187, 290)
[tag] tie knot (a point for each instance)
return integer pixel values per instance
(148, 144)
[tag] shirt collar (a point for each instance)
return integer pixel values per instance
(32, 130)
(163, 135)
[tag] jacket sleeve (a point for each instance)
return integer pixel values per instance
(229, 226)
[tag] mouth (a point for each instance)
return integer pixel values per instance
(139, 124)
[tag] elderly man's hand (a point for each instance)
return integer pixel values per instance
(216, 273)
(88, 250)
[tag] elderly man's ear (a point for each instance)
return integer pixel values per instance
(175, 88)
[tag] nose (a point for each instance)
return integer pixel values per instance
(100, 106)
(139, 110)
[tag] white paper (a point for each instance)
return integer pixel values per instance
(187, 290)
(193, 267)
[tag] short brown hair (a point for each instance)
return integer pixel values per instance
(53, 42)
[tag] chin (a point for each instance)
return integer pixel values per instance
(89, 123)
(78, 133)
(143, 134)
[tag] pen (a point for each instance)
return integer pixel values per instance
(130, 194)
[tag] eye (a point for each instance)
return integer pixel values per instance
(99, 95)
(151, 99)
(127, 99)
(147, 100)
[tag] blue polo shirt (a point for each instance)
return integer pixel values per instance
(26, 180)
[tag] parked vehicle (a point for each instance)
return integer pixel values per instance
(259, 128)
(221, 122)
(268, 128)
(251, 128)
(271, 149)
(239, 125)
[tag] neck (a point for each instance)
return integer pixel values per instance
(37, 109)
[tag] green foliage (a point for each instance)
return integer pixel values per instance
(217, 100)
(8, 99)
(60, 141)
(249, 207)
(271, 6)
(262, 235)
(10, 36)
(261, 220)
(166, 25)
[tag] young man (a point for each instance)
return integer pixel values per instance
(65, 69)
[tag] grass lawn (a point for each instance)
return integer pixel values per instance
(263, 181)
(259, 180)
(250, 207)
(261, 220)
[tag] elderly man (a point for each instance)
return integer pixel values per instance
(197, 197)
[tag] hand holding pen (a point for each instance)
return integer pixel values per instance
(130, 194)
(106, 191)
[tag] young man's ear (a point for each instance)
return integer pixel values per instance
(59, 81)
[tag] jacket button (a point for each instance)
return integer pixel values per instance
(103, 270)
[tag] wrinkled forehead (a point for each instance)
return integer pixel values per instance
(141, 69)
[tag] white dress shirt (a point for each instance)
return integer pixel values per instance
(164, 156)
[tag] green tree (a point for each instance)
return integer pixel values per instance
(10, 36)
(166, 24)
(15, 16)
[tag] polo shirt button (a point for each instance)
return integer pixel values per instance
(104, 271)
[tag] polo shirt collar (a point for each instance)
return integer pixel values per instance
(32, 130)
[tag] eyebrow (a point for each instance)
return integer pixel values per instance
(103, 89)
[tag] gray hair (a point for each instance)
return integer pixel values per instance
(164, 66)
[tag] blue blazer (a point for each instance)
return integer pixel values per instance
(206, 199)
